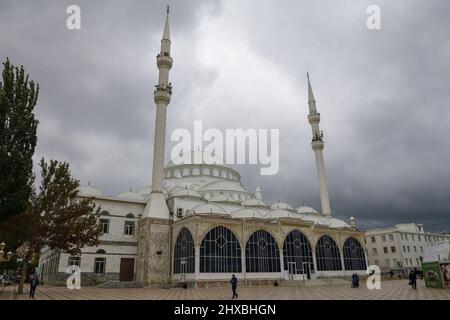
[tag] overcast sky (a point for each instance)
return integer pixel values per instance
(384, 95)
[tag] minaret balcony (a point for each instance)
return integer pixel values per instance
(318, 144)
(163, 94)
(164, 60)
(314, 118)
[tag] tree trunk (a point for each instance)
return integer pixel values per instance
(22, 276)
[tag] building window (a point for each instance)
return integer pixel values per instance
(374, 250)
(395, 262)
(105, 225)
(388, 263)
(393, 249)
(412, 237)
(262, 253)
(327, 254)
(406, 237)
(297, 250)
(406, 261)
(383, 238)
(408, 249)
(421, 249)
(184, 254)
(99, 266)
(74, 261)
(415, 249)
(420, 238)
(129, 228)
(354, 257)
(417, 261)
(220, 251)
(377, 262)
(373, 239)
(404, 248)
(401, 236)
(391, 237)
(385, 249)
(410, 261)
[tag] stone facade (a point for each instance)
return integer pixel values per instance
(153, 263)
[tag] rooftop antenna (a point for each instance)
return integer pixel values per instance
(168, 9)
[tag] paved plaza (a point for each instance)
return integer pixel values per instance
(390, 290)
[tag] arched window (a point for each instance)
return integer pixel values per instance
(262, 253)
(327, 254)
(220, 251)
(297, 253)
(100, 251)
(184, 253)
(130, 215)
(354, 257)
(104, 213)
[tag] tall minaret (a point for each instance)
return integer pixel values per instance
(156, 206)
(317, 145)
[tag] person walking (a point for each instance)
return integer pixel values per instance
(413, 280)
(34, 282)
(356, 280)
(392, 274)
(234, 286)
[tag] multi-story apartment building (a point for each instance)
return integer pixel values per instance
(400, 247)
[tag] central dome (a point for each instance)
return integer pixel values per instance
(197, 163)
(196, 158)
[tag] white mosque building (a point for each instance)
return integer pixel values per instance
(198, 224)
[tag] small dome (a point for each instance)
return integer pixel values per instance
(253, 203)
(247, 213)
(278, 213)
(224, 185)
(184, 192)
(305, 209)
(129, 195)
(280, 205)
(223, 198)
(209, 208)
(89, 191)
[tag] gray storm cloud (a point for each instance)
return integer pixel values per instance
(383, 95)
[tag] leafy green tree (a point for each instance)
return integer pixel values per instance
(55, 217)
(18, 97)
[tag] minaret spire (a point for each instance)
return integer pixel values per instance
(318, 145)
(157, 206)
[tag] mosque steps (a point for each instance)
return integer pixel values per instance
(313, 282)
(121, 284)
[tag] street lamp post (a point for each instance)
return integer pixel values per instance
(2, 253)
(8, 254)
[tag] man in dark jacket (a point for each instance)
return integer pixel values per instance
(34, 282)
(234, 286)
(413, 279)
